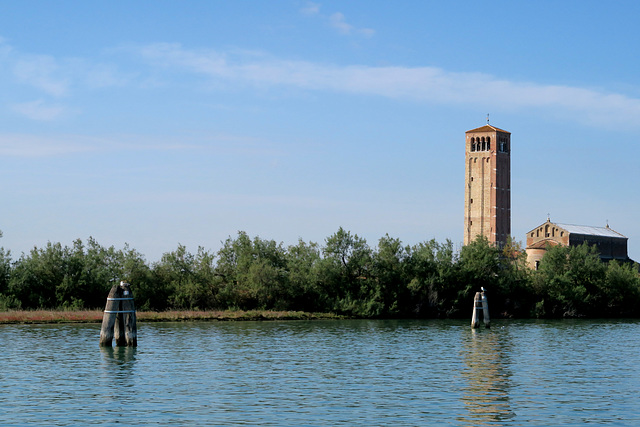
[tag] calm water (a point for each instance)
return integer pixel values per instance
(325, 373)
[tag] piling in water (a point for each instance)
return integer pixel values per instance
(480, 309)
(119, 319)
(109, 317)
(485, 310)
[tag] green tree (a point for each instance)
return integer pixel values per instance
(176, 279)
(253, 273)
(71, 291)
(388, 292)
(234, 256)
(36, 276)
(433, 273)
(481, 265)
(99, 266)
(621, 290)
(570, 281)
(7, 301)
(345, 271)
(515, 296)
(133, 268)
(266, 275)
(302, 267)
(5, 269)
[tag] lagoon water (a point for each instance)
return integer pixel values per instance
(324, 373)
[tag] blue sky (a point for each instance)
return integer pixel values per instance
(158, 123)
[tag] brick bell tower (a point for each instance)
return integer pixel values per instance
(487, 201)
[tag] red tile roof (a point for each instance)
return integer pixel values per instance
(488, 128)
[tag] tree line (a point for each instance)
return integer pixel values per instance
(345, 275)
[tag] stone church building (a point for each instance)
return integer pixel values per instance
(610, 243)
(487, 203)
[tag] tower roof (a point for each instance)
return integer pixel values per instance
(488, 128)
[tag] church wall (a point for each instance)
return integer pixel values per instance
(534, 256)
(608, 247)
(548, 231)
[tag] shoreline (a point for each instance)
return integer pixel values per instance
(28, 317)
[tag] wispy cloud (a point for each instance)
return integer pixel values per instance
(28, 145)
(310, 8)
(39, 110)
(54, 79)
(42, 72)
(58, 77)
(5, 49)
(24, 145)
(336, 20)
(425, 84)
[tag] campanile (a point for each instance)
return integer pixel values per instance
(487, 202)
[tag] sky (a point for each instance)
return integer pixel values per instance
(165, 123)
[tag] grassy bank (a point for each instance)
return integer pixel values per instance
(95, 316)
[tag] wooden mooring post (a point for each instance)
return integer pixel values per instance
(119, 319)
(480, 309)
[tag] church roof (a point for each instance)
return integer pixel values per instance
(488, 128)
(542, 244)
(590, 231)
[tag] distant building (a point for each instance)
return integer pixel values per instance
(487, 203)
(610, 243)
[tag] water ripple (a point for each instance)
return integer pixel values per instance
(340, 373)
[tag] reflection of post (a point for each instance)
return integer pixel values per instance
(486, 395)
(117, 363)
(480, 307)
(119, 355)
(119, 318)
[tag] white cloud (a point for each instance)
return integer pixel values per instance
(54, 78)
(22, 145)
(41, 71)
(337, 20)
(58, 76)
(425, 84)
(311, 8)
(39, 110)
(27, 145)
(95, 76)
(5, 49)
(366, 32)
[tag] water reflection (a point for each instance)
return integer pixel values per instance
(319, 373)
(486, 394)
(117, 368)
(120, 356)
